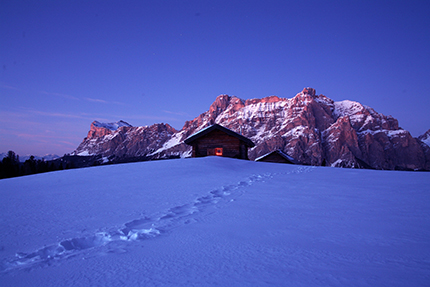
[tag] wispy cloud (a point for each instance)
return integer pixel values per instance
(60, 95)
(49, 137)
(119, 103)
(104, 101)
(9, 87)
(96, 100)
(27, 113)
(177, 113)
(60, 115)
(71, 144)
(148, 117)
(88, 99)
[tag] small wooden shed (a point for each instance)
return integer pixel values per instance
(220, 141)
(277, 156)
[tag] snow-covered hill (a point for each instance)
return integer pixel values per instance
(215, 221)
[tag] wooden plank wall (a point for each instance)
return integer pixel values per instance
(232, 146)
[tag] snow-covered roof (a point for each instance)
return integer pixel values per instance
(279, 152)
(213, 127)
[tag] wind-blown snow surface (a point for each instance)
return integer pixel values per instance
(215, 221)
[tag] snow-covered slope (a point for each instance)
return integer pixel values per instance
(111, 126)
(215, 221)
(425, 138)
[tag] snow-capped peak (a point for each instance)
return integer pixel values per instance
(425, 138)
(111, 126)
(347, 108)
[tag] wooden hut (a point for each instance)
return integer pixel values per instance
(277, 156)
(220, 141)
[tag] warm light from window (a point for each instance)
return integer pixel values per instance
(218, 151)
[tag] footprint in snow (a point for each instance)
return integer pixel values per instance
(138, 229)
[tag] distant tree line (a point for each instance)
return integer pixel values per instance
(10, 166)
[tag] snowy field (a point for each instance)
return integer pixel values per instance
(215, 222)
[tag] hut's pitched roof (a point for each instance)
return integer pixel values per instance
(213, 127)
(279, 152)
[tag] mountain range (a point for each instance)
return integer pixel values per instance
(311, 128)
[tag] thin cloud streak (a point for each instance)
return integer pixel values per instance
(177, 113)
(9, 87)
(92, 100)
(121, 104)
(58, 115)
(45, 137)
(96, 100)
(32, 134)
(144, 117)
(73, 145)
(60, 95)
(54, 139)
(28, 117)
(26, 113)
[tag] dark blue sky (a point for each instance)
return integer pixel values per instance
(67, 63)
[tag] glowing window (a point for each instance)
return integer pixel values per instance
(218, 151)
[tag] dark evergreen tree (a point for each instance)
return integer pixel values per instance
(10, 165)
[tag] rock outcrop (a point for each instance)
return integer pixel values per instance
(424, 141)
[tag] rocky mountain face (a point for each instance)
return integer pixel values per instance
(311, 128)
(120, 139)
(425, 144)
(425, 138)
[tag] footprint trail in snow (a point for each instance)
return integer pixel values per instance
(139, 229)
